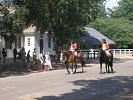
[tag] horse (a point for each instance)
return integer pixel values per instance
(108, 60)
(71, 58)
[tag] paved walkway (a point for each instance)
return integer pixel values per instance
(58, 85)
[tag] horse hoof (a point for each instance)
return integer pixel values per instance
(100, 73)
(108, 71)
(69, 73)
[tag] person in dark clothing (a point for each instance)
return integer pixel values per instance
(15, 54)
(4, 54)
(28, 56)
(0, 56)
(34, 54)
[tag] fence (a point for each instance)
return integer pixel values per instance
(93, 53)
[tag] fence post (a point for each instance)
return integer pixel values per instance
(129, 51)
(120, 51)
(114, 51)
(125, 51)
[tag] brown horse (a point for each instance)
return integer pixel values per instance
(71, 58)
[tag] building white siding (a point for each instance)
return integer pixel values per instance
(38, 41)
(29, 44)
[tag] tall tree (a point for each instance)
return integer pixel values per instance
(125, 9)
(63, 18)
(118, 29)
(12, 21)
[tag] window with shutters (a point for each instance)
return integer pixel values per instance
(28, 41)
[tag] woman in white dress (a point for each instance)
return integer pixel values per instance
(48, 60)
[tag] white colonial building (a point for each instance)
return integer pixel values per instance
(34, 39)
(31, 39)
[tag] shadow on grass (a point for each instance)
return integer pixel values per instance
(112, 88)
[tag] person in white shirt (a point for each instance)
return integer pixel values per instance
(48, 60)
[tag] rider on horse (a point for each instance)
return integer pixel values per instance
(105, 47)
(73, 48)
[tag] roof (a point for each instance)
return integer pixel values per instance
(93, 37)
(30, 29)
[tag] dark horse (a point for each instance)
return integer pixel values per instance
(70, 58)
(108, 60)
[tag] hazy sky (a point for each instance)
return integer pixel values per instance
(112, 3)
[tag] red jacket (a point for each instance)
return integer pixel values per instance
(105, 46)
(75, 46)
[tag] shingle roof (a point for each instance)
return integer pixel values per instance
(93, 37)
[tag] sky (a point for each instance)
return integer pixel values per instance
(112, 3)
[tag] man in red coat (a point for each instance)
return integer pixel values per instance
(105, 47)
(73, 48)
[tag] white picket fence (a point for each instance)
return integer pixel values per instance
(122, 51)
(93, 53)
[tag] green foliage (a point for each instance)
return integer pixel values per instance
(64, 18)
(125, 9)
(12, 19)
(119, 30)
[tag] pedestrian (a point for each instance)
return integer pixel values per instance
(59, 54)
(15, 54)
(0, 55)
(34, 55)
(4, 54)
(47, 63)
(22, 55)
(28, 57)
(41, 58)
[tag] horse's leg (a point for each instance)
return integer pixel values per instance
(106, 65)
(111, 66)
(75, 67)
(82, 68)
(100, 67)
(72, 67)
(82, 64)
(66, 64)
(108, 68)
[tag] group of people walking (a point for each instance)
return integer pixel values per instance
(23, 57)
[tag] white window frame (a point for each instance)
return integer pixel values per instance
(28, 41)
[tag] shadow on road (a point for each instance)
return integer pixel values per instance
(112, 88)
(13, 69)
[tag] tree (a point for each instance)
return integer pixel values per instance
(63, 18)
(118, 29)
(12, 22)
(125, 9)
